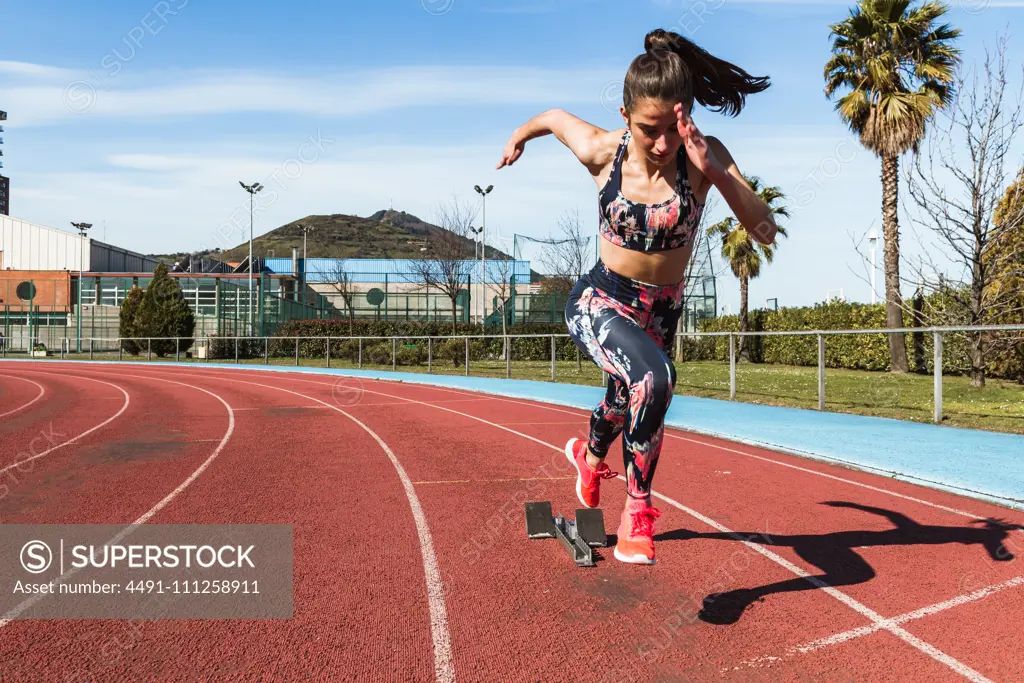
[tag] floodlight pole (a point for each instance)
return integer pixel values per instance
(252, 190)
(305, 230)
(483, 253)
(82, 229)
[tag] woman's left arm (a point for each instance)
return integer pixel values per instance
(712, 159)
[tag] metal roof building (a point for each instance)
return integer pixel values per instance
(28, 246)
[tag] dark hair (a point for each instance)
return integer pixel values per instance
(674, 69)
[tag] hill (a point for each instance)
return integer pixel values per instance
(385, 234)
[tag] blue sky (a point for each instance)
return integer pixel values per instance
(145, 115)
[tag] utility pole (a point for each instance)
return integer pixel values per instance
(252, 190)
(82, 229)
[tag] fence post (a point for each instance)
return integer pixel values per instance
(266, 350)
(236, 350)
(430, 348)
(821, 371)
(91, 340)
(149, 347)
(62, 349)
(552, 358)
(937, 415)
(508, 356)
(328, 351)
(732, 366)
(177, 349)
(297, 351)
(467, 356)
(360, 353)
(394, 354)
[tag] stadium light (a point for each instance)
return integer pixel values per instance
(252, 190)
(483, 253)
(476, 246)
(82, 228)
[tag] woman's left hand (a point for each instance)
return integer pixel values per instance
(697, 146)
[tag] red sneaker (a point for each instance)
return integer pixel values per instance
(636, 532)
(588, 481)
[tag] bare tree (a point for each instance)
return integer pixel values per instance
(502, 270)
(568, 254)
(958, 198)
(446, 265)
(341, 281)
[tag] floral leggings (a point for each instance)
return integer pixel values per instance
(626, 327)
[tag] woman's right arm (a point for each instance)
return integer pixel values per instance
(585, 140)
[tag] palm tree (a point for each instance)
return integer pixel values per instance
(898, 65)
(743, 254)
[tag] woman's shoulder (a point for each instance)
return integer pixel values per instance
(608, 142)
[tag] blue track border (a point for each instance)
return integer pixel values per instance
(987, 466)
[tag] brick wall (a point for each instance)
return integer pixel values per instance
(52, 289)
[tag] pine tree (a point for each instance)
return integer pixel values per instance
(129, 312)
(164, 313)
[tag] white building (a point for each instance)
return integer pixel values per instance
(28, 246)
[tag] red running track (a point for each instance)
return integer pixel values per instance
(411, 561)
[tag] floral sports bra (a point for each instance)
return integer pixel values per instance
(648, 227)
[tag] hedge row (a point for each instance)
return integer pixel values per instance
(849, 351)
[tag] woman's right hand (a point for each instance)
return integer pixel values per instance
(513, 150)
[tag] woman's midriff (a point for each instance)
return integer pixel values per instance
(655, 268)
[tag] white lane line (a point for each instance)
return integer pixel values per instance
(877, 619)
(909, 616)
(283, 408)
(42, 391)
(199, 470)
(582, 413)
(15, 611)
(492, 481)
(124, 407)
(444, 670)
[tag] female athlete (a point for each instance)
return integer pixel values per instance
(653, 177)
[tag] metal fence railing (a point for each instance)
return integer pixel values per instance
(399, 351)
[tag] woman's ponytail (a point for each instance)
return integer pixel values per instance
(676, 69)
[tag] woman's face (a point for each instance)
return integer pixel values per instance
(654, 127)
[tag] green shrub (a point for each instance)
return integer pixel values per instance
(128, 313)
(164, 313)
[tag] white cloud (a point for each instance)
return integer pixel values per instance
(44, 95)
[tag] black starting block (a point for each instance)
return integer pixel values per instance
(578, 537)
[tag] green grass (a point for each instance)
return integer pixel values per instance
(999, 406)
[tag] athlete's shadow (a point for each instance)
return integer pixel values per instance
(834, 554)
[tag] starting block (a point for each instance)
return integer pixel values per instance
(578, 537)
